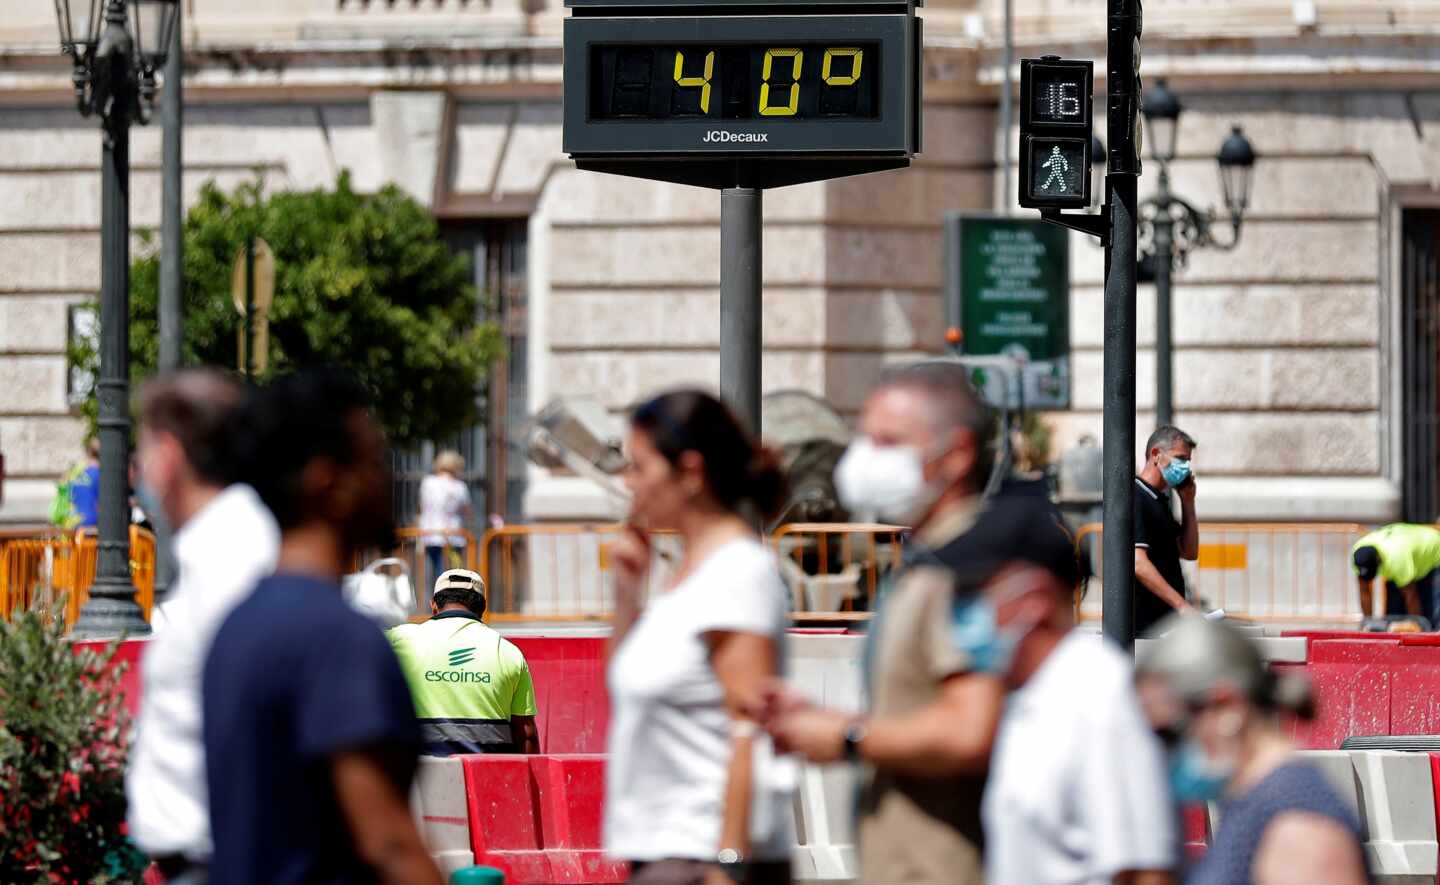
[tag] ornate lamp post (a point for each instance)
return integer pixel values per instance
(1170, 226)
(116, 47)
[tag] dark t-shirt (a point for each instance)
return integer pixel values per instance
(1157, 531)
(294, 677)
(1293, 787)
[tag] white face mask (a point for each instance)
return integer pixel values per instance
(884, 482)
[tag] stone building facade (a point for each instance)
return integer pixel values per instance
(1290, 350)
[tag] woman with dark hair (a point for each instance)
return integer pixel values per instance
(694, 792)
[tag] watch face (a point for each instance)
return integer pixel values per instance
(728, 855)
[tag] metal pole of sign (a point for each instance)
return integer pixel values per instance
(172, 266)
(1122, 83)
(249, 310)
(740, 229)
(1006, 112)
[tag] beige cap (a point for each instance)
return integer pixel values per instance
(460, 579)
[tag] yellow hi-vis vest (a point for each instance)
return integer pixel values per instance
(467, 681)
(1407, 552)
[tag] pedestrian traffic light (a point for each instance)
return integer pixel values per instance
(1055, 119)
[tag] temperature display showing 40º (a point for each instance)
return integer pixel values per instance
(726, 82)
(666, 89)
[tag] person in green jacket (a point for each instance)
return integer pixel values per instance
(1406, 557)
(471, 686)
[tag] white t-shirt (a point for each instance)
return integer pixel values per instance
(669, 741)
(443, 500)
(1078, 788)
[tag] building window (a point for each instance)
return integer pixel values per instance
(82, 337)
(1420, 363)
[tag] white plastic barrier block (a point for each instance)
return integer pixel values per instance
(825, 824)
(1339, 769)
(829, 669)
(438, 803)
(1398, 814)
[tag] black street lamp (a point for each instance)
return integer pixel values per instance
(1169, 226)
(116, 47)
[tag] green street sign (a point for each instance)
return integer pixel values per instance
(1007, 290)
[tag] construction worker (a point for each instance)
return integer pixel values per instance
(1407, 558)
(471, 685)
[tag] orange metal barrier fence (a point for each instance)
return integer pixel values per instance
(41, 571)
(1261, 571)
(834, 569)
(561, 572)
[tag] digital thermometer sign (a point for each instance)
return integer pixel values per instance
(722, 93)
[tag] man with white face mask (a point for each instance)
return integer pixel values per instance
(1160, 541)
(1077, 793)
(922, 460)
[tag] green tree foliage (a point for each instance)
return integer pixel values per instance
(62, 759)
(363, 282)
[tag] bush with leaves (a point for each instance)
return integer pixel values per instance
(63, 727)
(362, 282)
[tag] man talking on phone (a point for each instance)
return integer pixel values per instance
(1160, 541)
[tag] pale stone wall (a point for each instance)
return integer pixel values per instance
(1283, 367)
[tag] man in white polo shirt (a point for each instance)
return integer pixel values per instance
(1078, 791)
(225, 542)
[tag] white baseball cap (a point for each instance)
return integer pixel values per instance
(460, 579)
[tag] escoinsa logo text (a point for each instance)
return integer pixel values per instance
(722, 137)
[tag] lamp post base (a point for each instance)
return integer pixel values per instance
(110, 612)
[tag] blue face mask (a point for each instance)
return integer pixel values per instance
(974, 630)
(1193, 777)
(1176, 472)
(150, 503)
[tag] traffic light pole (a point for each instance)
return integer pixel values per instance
(1122, 82)
(1118, 613)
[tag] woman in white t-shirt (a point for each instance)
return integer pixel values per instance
(444, 510)
(694, 793)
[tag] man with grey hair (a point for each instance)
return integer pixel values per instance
(922, 460)
(1160, 541)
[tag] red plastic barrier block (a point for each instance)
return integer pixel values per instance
(1195, 825)
(569, 676)
(1414, 686)
(572, 798)
(500, 795)
(129, 654)
(585, 867)
(1356, 684)
(539, 818)
(1360, 635)
(1435, 782)
(519, 867)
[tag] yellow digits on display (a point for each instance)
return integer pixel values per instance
(855, 55)
(767, 109)
(702, 82)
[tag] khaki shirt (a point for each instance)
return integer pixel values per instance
(919, 830)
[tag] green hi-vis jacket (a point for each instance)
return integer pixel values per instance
(1407, 552)
(467, 681)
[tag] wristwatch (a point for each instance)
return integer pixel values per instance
(853, 734)
(733, 864)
